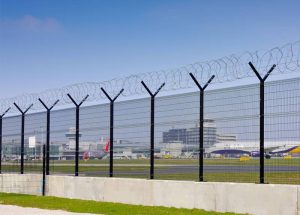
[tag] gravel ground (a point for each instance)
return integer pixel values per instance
(15, 210)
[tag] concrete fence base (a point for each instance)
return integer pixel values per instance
(258, 199)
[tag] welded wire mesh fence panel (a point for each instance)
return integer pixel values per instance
(231, 137)
(94, 137)
(62, 144)
(34, 137)
(11, 145)
(132, 138)
(11, 179)
(282, 131)
(176, 123)
(230, 132)
(232, 126)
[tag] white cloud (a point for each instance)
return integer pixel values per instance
(32, 23)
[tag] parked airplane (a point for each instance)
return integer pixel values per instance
(252, 148)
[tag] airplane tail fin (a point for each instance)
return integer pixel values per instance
(107, 146)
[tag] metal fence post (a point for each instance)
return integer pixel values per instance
(77, 131)
(44, 171)
(48, 134)
(262, 121)
(111, 130)
(22, 135)
(152, 126)
(201, 123)
(1, 117)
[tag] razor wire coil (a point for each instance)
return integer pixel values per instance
(225, 69)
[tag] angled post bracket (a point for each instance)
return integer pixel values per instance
(153, 95)
(48, 133)
(22, 135)
(111, 136)
(77, 105)
(262, 120)
(201, 123)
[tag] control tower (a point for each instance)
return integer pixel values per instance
(71, 135)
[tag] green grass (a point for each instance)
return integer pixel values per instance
(83, 206)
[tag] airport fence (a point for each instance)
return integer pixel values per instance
(231, 129)
(244, 133)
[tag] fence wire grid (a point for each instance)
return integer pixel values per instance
(231, 137)
(231, 126)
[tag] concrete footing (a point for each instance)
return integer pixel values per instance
(257, 199)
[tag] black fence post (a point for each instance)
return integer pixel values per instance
(48, 134)
(77, 131)
(1, 117)
(201, 123)
(111, 130)
(22, 135)
(44, 171)
(152, 126)
(262, 121)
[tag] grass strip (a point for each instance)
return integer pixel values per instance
(84, 206)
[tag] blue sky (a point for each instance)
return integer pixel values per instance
(52, 43)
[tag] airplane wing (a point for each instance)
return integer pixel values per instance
(269, 150)
(294, 149)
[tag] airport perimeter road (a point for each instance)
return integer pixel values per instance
(15, 210)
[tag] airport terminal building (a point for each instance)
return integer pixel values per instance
(190, 136)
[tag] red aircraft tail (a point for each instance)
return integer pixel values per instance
(107, 145)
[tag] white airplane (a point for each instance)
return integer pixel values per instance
(252, 148)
